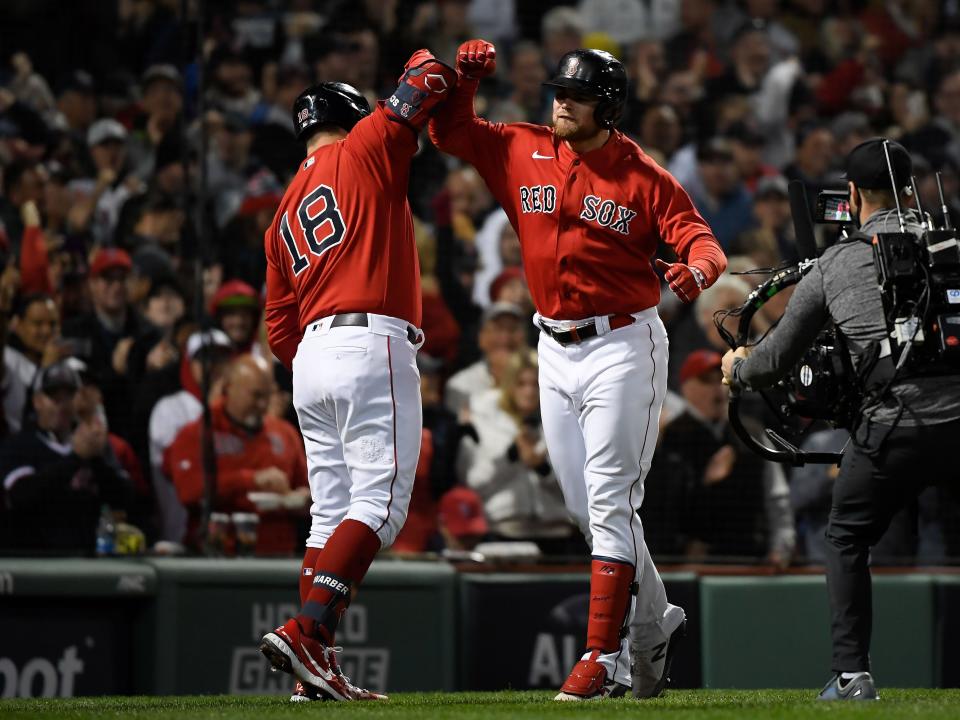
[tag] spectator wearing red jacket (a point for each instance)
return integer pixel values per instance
(254, 452)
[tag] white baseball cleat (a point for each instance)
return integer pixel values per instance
(651, 658)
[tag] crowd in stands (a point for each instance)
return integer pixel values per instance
(132, 265)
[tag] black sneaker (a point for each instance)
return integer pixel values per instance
(859, 687)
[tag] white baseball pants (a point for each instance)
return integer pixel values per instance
(356, 391)
(600, 400)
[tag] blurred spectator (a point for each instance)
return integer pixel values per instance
(708, 496)
(507, 462)
(502, 333)
(104, 195)
(34, 343)
(58, 472)
(273, 139)
(493, 20)
(497, 247)
(254, 452)
(228, 162)
(561, 31)
(462, 522)
(816, 152)
(231, 87)
(750, 54)
(106, 334)
(747, 143)
(724, 201)
(783, 43)
(660, 132)
(849, 130)
(627, 21)
(77, 109)
(245, 231)
(173, 412)
(23, 185)
(236, 310)
(161, 88)
(771, 212)
(88, 404)
(941, 136)
(525, 103)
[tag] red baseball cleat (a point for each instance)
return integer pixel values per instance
(289, 649)
(588, 681)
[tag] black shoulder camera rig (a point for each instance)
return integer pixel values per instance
(919, 280)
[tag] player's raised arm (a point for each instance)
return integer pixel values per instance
(456, 129)
(385, 141)
(702, 260)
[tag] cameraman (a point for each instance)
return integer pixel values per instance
(906, 428)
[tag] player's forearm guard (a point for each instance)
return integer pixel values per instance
(421, 89)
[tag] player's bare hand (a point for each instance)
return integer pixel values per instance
(726, 364)
(682, 279)
(476, 59)
(720, 465)
(272, 479)
(89, 439)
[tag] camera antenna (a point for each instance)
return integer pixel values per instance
(947, 225)
(924, 225)
(893, 184)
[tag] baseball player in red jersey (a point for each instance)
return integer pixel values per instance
(343, 310)
(590, 207)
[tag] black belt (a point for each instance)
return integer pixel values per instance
(586, 331)
(361, 320)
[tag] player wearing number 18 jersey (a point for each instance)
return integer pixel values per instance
(343, 309)
(590, 208)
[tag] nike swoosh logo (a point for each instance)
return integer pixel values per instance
(326, 675)
(537, 156)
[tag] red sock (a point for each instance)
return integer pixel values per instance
(341, 565)
(610, 591)
(306, 572)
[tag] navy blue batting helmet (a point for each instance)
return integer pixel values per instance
(598, 74)
(328, 103)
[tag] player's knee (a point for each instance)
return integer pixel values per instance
(391, 527)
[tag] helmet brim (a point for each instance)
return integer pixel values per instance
(570, 83)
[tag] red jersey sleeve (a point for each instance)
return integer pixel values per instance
(683, 228)
(280, 310)
(455, 129)
(383, 147)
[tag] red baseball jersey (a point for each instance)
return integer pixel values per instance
(342, 239)
(588, 224)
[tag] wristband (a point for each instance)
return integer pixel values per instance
(698, 276)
